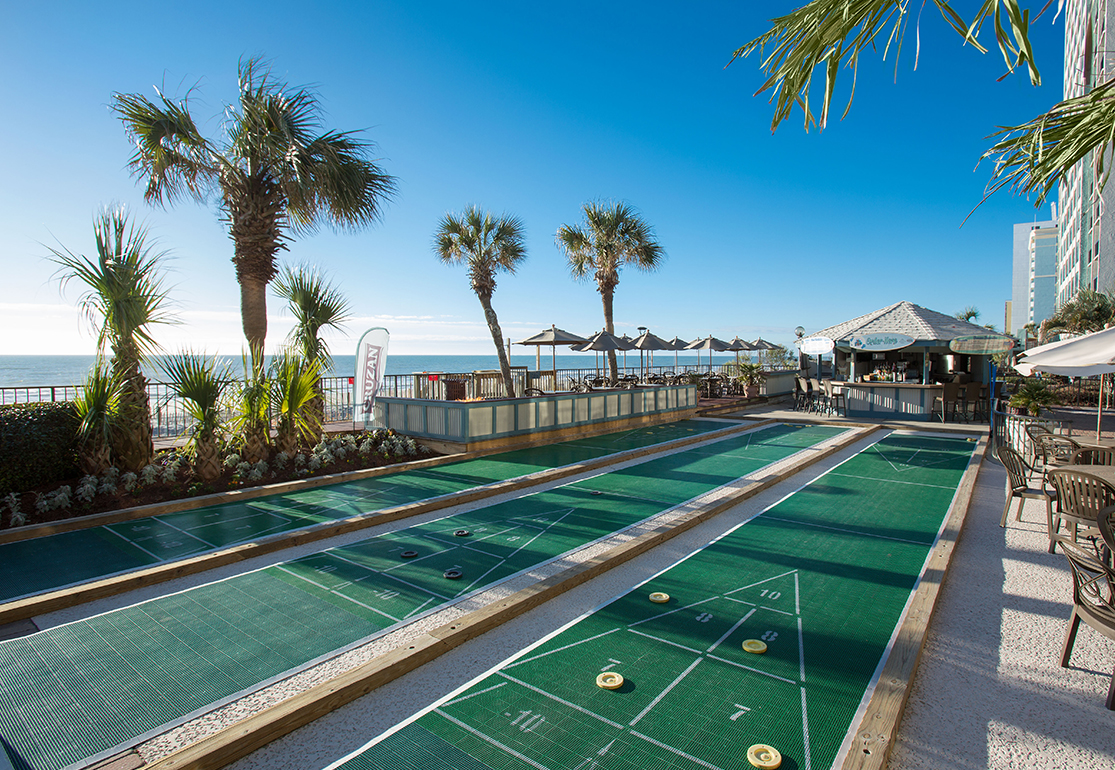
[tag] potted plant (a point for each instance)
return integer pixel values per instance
(751, 376)
(1032, 397)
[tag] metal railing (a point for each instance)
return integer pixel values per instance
(169, 417)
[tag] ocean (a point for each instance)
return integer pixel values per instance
(38, 371)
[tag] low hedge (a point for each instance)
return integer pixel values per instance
(38, 445)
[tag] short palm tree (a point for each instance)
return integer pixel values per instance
(201, 383)
(251, 423)
(124, 298)
(316, 304)
(98, 411)
(274, 172)
(1088, 311)
(294, 386)
(970, 313)
(613, 235)
(486, 245)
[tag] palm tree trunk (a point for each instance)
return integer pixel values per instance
(497, 338)
(253, 316)
(606, 295)
(133, 444)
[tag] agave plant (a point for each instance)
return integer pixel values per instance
(201, 383)
(251, 424)
(293, 388)
(98, 408)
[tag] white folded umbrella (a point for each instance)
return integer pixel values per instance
(1084, 356)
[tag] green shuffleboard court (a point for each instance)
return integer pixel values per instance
(29, 567)
(92, 687)
(821, 578)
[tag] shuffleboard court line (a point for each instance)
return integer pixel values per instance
(731, 630)
(673, 750)
(134, 544)
(495, 686)
(562, 701)
(521, 661)
(664, 641)
(805, 726)
(658, 698)
(337, 593)
(491, 740)
(814, 525)
(187, 533)
(889, 481)
(752, 670)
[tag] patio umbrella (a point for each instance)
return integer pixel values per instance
(676, 344)
(602, 340)
(1084, 356)
(626, 339)
(737, 345)
(710, 344)
(647, 341)
(553, 337)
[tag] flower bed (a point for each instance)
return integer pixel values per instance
(169, 477)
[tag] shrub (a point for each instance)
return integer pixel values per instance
(38, 445)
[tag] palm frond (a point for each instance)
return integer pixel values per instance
(1034, 157)
(201, 383)
(316, 304)
(98, 406)
(827, 34)
(293, 386)
(124, 293)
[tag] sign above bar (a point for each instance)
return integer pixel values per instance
(981, 344)
(815, 346)
(880, 342)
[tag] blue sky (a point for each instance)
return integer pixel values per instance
(529, 109)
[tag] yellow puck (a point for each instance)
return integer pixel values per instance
(659, 598)
(610, 680)
(756, 646)
(761, 755)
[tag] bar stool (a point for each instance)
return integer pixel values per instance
(820, 400)
(835, 398)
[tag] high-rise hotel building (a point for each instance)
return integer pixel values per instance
(1086, 249)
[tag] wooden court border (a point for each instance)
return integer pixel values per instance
(242, 738)
(62, 598)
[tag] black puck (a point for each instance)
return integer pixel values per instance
(462, 533)
(453, 574)
(596, 492)
(409, 554)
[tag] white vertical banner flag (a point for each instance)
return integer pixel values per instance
(371, 363)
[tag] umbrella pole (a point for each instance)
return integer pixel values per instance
(1099, 408)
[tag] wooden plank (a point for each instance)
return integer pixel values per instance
(874, 736)
(52, 601)
(254, 732)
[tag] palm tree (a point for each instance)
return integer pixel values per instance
(124, 298)
(613, 235)
(485, 245)
(823, 35)
(316, 304)
(1088, 311)
(275, 171)
(293, 387)
(969, 314)
(201, 384)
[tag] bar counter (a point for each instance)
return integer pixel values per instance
(893, 400)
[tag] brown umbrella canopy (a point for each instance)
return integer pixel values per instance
(553, 337)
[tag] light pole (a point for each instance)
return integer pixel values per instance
(800, 332)
(642, 371)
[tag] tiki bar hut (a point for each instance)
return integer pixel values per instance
(895, 361)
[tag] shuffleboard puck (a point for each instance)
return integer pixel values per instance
(409, 554)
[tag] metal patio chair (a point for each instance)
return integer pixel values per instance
(1093, 588)
(1094, 455)
(1018, 475)
(1056, 450)
(1080, 498)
